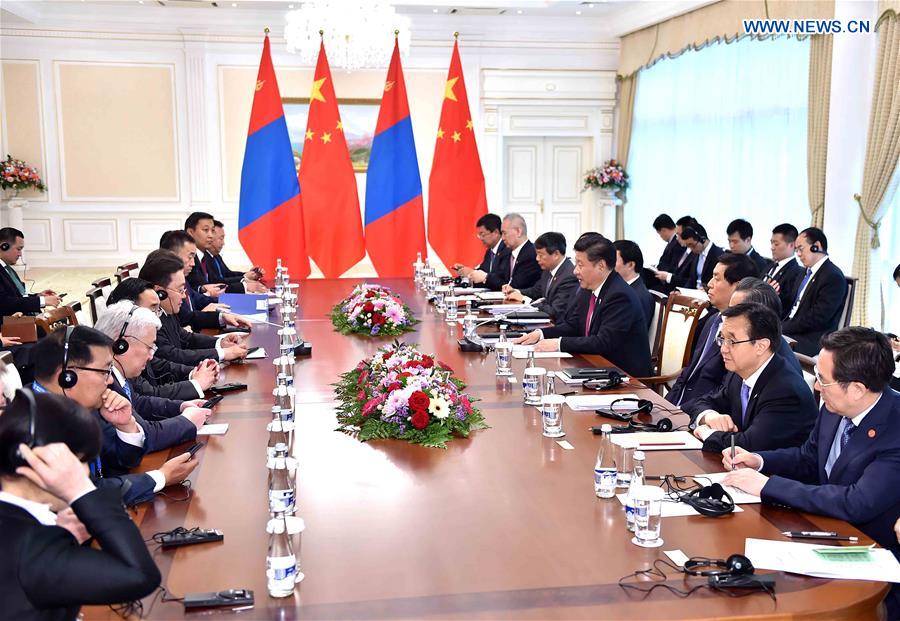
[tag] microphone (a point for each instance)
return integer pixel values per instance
(472, 342)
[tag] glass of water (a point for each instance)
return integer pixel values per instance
(647, 512)
(430, 285)
(469, 322)
(452, 309)
(624, 456)
(551, 415)
(503, 350)
(533, 384)
(439, 295)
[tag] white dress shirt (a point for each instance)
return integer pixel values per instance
(526, 299)
(815, 268)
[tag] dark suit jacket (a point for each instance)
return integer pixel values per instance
(617, 332)
(820, 309)
(712, 257)
(862, 488)
(191, 313)
(162, 371)
(183, 390)
(788, 279)
(219, 270)
(160, 419)
(487, 262)
(668, 260)
(685, 275)
(703, 376)
(46, 575)
(11, 301)
(780, 413)
(645, 299)
(562, 289)
(197, 279)
(762, 263)
(178, 345)
(526, 271)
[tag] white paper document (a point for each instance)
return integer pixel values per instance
(256, 355)
(673, 508)
(585, 403)
(659, 440)
(491, 295)
(521, 351)
(262, 305)
(800, 558)
(740, 497)
(215, 429)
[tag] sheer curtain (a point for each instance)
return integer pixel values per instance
(720, 133)
(884, 294)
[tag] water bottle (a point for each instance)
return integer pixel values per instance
(281, 488)
(502, 338)
(281, 563)
(605, 467)
(277, 434)
(551, 384)
(637, 479)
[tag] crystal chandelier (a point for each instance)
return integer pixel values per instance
(357, 34)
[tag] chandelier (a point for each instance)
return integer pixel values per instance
(357, 35)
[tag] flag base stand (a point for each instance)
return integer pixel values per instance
(303, 349)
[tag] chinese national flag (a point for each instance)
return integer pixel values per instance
(334, 236)
(456, 196)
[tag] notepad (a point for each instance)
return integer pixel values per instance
(659, 441)
(216, 429)
(256, 355)
(586, 403)
(805, 558)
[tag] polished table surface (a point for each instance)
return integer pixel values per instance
(504, 524)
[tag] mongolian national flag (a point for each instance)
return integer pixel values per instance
(395, 223)
(334, 233)
(456, 196)
(270, 220)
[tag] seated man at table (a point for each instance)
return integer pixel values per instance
(14, 298)
(199, 225)
(849, 465)
(487, 229)
(165, 271)
(516, 265)
(756, 291)
(81, 370)
(557, 284)
(161, 377)
(763, 402)
(706, 370)
(629, 263)
(605, 318)
(665, 228)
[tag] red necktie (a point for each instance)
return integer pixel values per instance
(590, 314)
(512, 265)
(204, 268)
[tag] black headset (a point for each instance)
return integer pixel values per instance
(19, 459)
(734, 565)
(162, 294)
(120, 345)
(814, 247)
(67, 377)
(710, 501)
(4, 246)
(612, 380)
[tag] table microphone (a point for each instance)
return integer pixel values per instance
(472, 342)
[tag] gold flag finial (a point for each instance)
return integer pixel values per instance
(321, 33)
(266, 30)
(456, 35)
(396, 33)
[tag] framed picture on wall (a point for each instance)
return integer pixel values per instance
(358, 116)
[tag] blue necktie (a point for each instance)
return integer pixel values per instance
(803, 284)
(745, 399)
(700, 261)
(846, 432)
(127, 388)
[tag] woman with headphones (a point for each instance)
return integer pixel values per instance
(45, 444)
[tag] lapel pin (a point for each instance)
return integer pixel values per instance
(871, 433)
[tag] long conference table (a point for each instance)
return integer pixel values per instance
(504, 524)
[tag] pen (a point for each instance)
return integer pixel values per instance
(801, 534)
(732, 451)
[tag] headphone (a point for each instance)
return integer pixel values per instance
(120, 345)
(162, 294)
(67, 377)
(734, 565)
(613, 379)
(710, 501)
(693, 231)
(4, 246)
(814, 247)
(19, 459)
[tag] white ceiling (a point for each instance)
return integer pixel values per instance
(572, 20)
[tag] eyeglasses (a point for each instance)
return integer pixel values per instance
(151, 348)
(821, 381)
(721, 341)
(106, 372)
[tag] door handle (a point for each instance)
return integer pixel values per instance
(541, 205)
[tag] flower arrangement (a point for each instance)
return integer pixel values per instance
(403, 394)
(610, 176)
(17, 175)
(372, 310)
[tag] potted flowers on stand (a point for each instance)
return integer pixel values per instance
(16, 176)
(610, 177)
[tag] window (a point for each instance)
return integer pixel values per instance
(884, 294)
(719, 134)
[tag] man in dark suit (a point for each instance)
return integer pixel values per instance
(14, 297)
(786, 272)
(849, 465)
(764, 402)
(165, 272)
(219, 271)
(705, 254)
(48, 511)
(124, 443)
(629, 263)
(756, 291)
(605, 318)
(706, 370)
(487, 229)
(740, 241)
(820, 297)
(516, 264)
(672, 253)
(557, 284)
(682, 263)
(199, 225)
